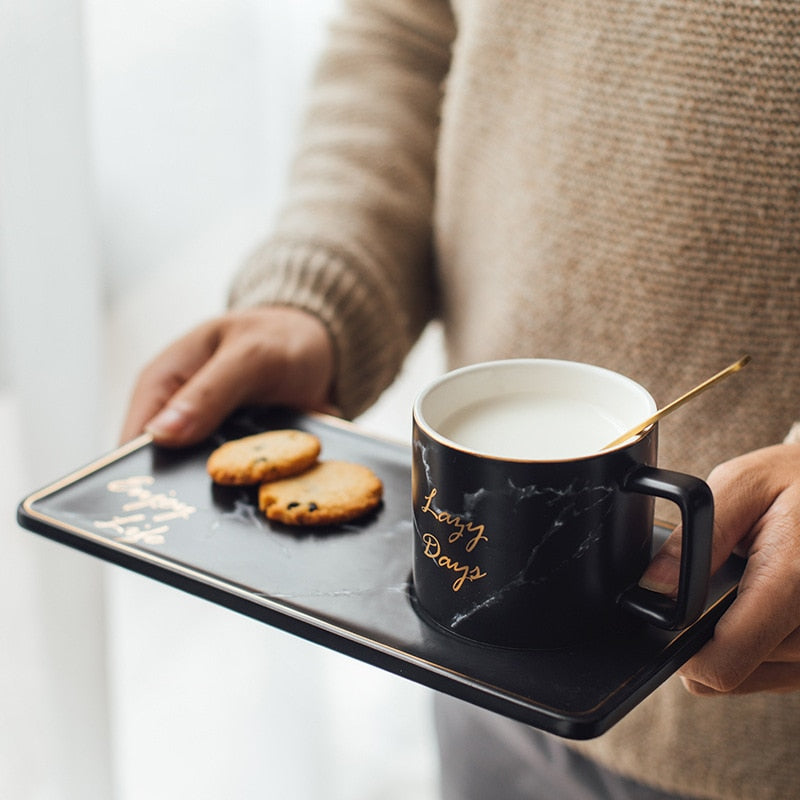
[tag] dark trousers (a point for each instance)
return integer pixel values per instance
(484, 755)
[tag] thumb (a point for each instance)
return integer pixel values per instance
(736, 511)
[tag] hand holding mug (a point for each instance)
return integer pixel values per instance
(756, 643)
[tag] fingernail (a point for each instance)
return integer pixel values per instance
(655, 585)
(170, 421)
(660, 576)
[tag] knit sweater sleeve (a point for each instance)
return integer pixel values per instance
(352, 243)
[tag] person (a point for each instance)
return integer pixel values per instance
(604, 181)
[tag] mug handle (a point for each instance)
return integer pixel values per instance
(696, 503)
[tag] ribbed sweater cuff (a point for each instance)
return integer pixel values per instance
(369, 337)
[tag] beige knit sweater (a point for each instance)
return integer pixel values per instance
(611, 181)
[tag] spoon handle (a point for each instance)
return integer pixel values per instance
(692, 393)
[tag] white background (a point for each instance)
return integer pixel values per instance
(143, 149)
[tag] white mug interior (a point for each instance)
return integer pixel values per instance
(532, 409)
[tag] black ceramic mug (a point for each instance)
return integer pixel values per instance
(526, 532)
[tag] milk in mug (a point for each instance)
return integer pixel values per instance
(530, 426)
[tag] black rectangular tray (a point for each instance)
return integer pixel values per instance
(155, 511)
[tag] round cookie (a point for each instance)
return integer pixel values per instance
(263, 457)
(329, 493)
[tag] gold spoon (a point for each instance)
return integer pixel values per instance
(735, 367)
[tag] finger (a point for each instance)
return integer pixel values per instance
(781, 672)
(761, 620)
(739, 500)
(662, 575)
(140, 411)
(215, 390)
(163, 377)
(788, 649)
(742, 495)
(770, 677)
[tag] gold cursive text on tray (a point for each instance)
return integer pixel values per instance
(144, 515)
(455, 528)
